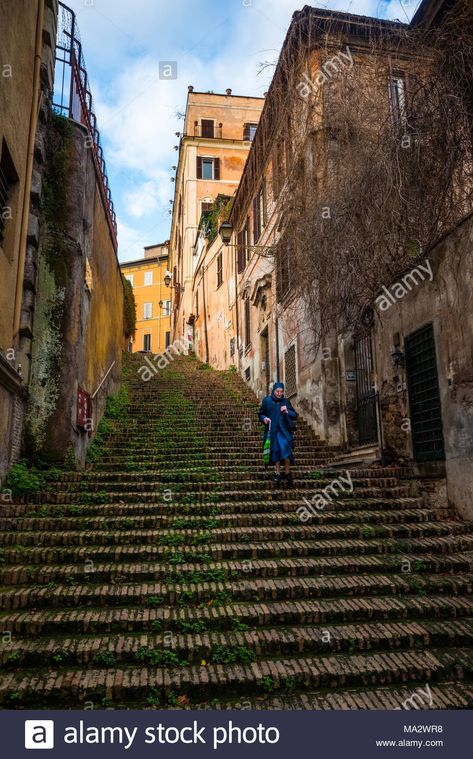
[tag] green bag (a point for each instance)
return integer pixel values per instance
(267, 446)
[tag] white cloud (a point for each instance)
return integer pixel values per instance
(215, 45)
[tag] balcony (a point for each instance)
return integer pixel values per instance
(208, 130)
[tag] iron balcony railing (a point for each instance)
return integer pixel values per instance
(72, 97)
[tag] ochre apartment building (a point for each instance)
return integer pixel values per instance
(152, 292)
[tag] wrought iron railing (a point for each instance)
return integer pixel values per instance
(72, 97)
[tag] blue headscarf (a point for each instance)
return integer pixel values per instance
(276, 386)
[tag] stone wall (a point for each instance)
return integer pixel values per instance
(78, 318)
(445, 300)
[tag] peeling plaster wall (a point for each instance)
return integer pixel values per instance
(447, 303)
(78, 329)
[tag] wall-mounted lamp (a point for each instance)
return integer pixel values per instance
(167, 279)
(225, 231)
(398, 357)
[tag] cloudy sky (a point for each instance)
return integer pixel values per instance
(216, 44)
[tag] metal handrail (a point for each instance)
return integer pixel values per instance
(105, 377)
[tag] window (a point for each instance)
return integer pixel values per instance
(148, 277)
(248, 373)
(146, 342)
(232, 347)
(167, 308)
(8, 178)
(147, 310)
(206, 206)
(208, 168)
(249, 131)
(397, 98)
(278, 167)
(290, 373)
(283, 271)
(247, 323)
(207, 128)
(129, 277)
(219, 269)
(259, 213)
(167, 339)
(242, 246)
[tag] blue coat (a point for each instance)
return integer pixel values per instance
(282, 426)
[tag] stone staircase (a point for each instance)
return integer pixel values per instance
(173, 574)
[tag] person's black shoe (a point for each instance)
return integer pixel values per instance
(277, 479)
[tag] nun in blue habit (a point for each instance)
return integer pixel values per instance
(278, 410)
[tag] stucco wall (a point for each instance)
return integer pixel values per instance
(78, 329)
(447, 303)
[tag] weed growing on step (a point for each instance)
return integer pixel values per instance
(24, 481)
(104, 658)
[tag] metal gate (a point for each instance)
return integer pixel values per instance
(366, 396)
(424, 396)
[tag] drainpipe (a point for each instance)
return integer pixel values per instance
(205, 316)
(25, 211)
(277, 346)
(237, 318)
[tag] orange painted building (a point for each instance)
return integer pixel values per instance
(218, 134)
(152, 298)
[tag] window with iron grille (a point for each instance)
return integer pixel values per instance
(8, 178)
(247, 323)
(290, 372)
(219, 269)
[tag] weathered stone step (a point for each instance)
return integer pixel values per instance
(121, 567)
(238, 647)
(214, 491)
(73, 686)
(169, 515)
(325, 539)
(251, 614)
(236, 480)
(344, 510)
(153, 593)
(452, 695)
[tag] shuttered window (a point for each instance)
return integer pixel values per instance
(290, 371)
(242, 245)
(208, 168)
(219, 269)
(247, 323)
(207, 128)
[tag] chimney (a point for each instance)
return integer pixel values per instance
(228, 91)
(190, 88)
